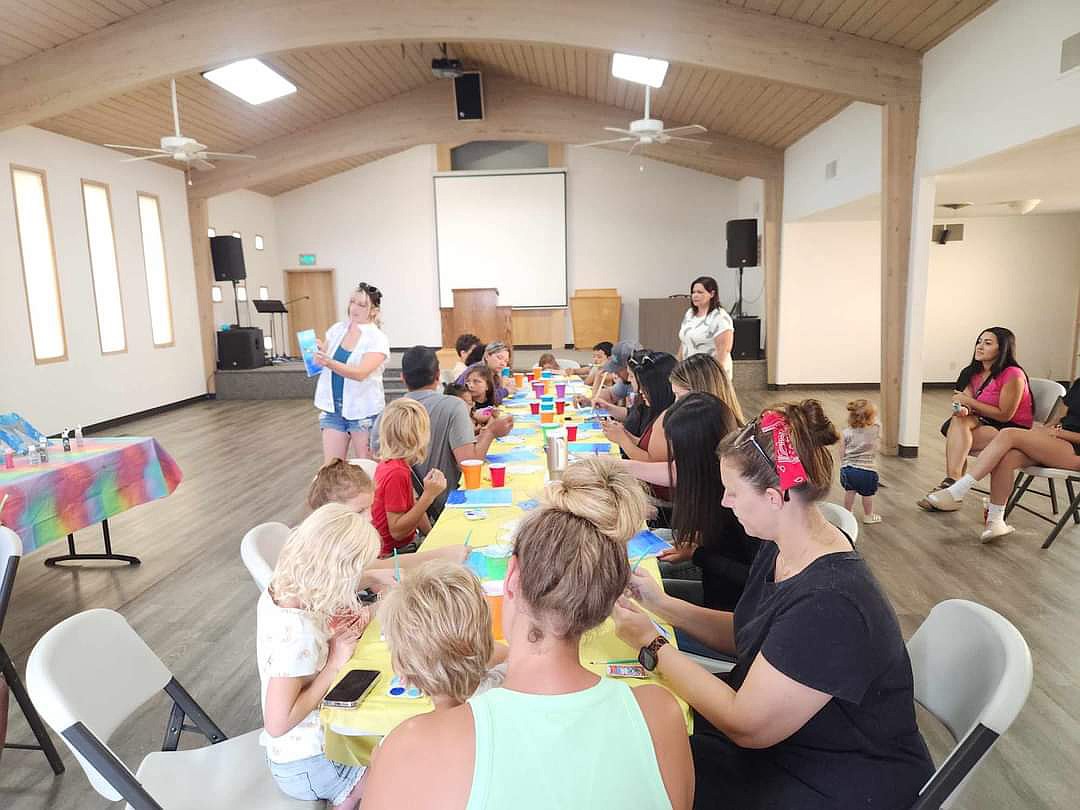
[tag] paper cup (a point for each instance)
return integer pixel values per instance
(470, 468)
(498, 474)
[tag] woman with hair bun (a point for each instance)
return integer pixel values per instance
(819, 710)
(555, 734)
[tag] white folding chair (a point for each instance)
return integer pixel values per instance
(10, 552)
(1044, 394)
(91, 672)
(367, 465)
(841, 518)
(260, 550)
(972, 671)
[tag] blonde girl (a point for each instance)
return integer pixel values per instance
(309, 620)
(858, 469)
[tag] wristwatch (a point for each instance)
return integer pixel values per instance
(647, 655)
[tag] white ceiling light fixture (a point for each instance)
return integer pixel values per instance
(639, 69)
(1023, 206)
(251, 80)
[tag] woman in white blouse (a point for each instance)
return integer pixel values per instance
(706, 327)
(350, 388)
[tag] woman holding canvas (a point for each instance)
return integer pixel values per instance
(349, 391)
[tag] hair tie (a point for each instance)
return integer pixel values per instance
(789, 467)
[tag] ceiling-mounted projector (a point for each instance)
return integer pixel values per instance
(446, 68)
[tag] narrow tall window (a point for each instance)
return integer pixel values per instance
(40, 281)
(103, 270)
(157, 274)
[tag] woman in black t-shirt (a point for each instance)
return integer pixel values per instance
(1012, 448)
(819, 710)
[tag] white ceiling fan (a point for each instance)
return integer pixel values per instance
(647, 130)
(179, 147)
(1015, 206)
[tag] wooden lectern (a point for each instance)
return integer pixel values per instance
(476, 311)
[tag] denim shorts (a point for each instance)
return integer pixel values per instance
(856, 479)
(316, 778)
(335, 421)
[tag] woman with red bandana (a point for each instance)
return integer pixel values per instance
(819, 711)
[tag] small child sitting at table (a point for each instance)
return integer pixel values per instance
(338, 481)
(404, 436)
(437, 623)
(548, 362)
(308, 623)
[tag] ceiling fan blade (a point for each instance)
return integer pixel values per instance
(201, 165)
(146, 157)
(686, 140)
(226, 156)
(135, 148)
(635, 146)
(689, 128)
(621, 131)
(605, 143)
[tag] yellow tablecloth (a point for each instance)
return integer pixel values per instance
(351, 733)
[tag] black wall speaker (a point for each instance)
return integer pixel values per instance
(469, 96)
(742, 244)
(227, 253)
(240, 347)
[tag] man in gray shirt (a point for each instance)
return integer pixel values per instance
(453, 439)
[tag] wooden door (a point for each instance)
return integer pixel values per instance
(317, 310)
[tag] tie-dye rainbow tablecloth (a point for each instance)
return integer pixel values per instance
(86, 486)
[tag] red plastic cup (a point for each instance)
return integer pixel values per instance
(571, 433)
(560, 406)
(498, 474)
(534, 407)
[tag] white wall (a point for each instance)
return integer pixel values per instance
(853, 139)
(647, 233)
(375, 223)
(89, 387)
(994, 83)
(250, 214)
(1018, 272)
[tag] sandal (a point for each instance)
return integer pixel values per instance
(924, 503)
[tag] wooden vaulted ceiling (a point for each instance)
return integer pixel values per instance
(340, 79)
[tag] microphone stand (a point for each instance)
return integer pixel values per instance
(291, 300)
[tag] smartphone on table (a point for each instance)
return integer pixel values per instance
(352, 689)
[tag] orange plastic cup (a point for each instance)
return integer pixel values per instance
(519, 379)
(471, 469)
(495, 603)
(537, 372)
(549, 387)
(547, 417)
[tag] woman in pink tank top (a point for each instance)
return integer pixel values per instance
(992, 393)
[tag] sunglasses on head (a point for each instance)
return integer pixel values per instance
(750, 437)
(644, 361)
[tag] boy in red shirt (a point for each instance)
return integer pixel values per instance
(404, 436)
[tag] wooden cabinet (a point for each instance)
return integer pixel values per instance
(597, 314)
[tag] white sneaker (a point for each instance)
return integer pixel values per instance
(870, 519)
(943, 501)
(995, 529)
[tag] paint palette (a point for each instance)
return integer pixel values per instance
(399, 689)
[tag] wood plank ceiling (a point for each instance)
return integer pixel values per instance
(336, 80)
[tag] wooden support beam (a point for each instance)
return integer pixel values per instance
(188, 35)
(772, 222)
(199, 219)
(514, 111)
(900, 128)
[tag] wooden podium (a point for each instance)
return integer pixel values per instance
(597, 315)
(659, 320)
(476, 310)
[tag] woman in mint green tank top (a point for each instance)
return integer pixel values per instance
(555, 735)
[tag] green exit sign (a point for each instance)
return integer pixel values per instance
(307, 259)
